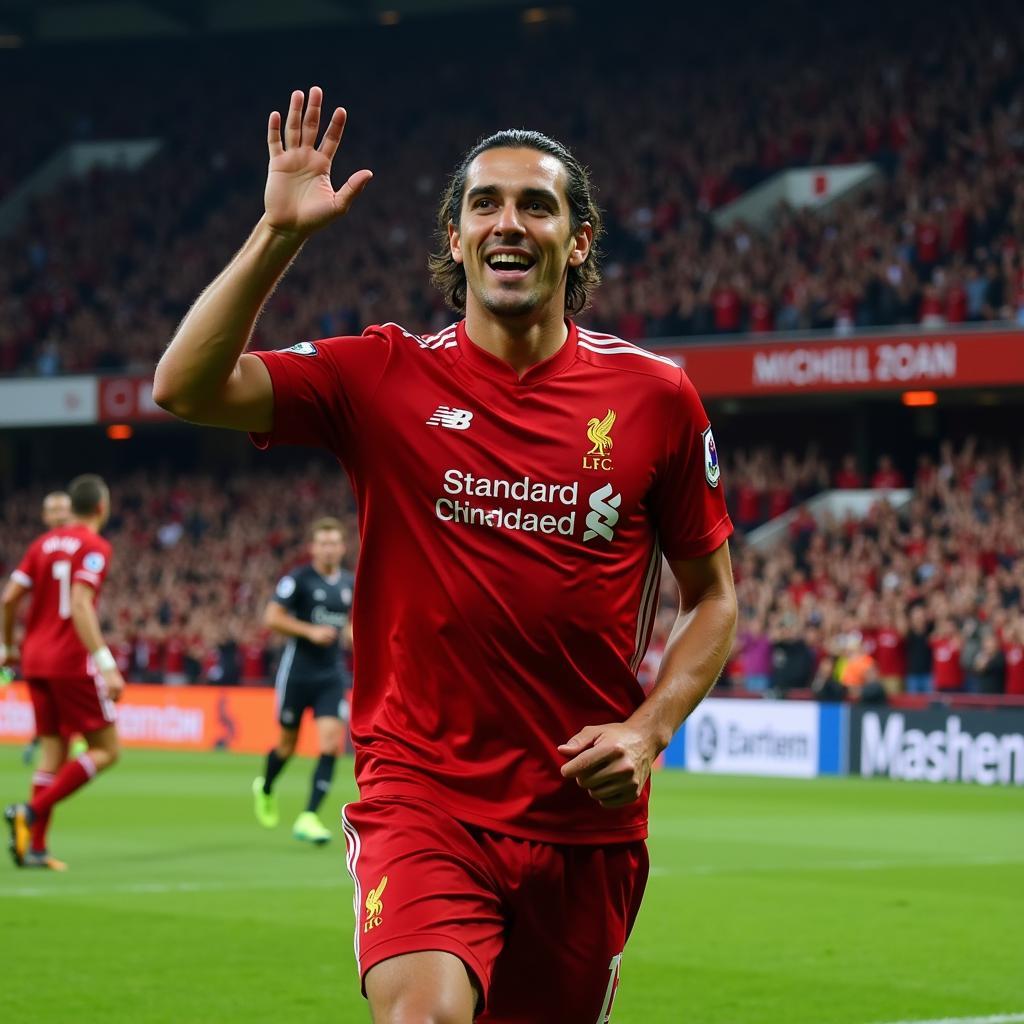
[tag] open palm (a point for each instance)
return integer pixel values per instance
(299, 197)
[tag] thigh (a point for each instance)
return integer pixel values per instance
(82, 705)
(421, 883)
(569, 928)
(44, 707)
(328, 699)
(294, 695)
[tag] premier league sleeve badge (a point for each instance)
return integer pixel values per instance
(712, 471)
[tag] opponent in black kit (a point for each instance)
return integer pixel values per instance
(311, 607)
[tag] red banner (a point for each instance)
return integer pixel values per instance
(241, 718)
(884, 363)
(127, 400)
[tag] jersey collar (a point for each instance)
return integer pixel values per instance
(481, 361)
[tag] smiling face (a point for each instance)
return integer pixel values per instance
(515, 238)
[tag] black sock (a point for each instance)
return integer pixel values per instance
(321, 780)
(274, 765)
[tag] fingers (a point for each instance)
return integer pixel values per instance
(274, 135)
(311, 122)
(355, 184)
(335, 130)
(588, 761)
(293, 126)
(586, 737)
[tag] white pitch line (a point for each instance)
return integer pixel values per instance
(161, 888)
(999, 1018)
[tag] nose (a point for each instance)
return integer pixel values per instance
(508, 222)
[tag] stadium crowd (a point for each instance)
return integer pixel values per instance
(927, 597)
(196, 558)
(100, 272)
(930, 597)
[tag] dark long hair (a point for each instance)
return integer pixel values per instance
(450, 277)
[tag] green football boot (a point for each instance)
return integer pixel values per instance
(310, 829)
(264, 804)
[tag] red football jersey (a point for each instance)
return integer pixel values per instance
(55, 560)
(512, 530)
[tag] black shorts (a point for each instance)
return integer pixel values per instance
(325, 694)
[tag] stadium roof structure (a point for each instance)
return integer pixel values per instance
(28, 22)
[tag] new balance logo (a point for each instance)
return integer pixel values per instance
(453, 419)
(603, 514)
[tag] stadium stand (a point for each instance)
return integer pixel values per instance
(98, 274)
(197, 557)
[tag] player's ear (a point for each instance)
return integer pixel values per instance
(455, 241)
(582, 240)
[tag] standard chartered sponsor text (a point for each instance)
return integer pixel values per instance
(524, 491)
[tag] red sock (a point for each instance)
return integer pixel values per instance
(41, 781)
(72, 776)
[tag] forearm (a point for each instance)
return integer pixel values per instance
(694, 658)
(9, 603)
(8, 612)
(287, 625)
(195, 368)
(87, 625)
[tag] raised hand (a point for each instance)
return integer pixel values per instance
(299, 197)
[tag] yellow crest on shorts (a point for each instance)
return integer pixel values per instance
(375, 905)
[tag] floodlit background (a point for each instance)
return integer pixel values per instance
(818, 212)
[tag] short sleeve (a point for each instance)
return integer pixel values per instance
(284, 592)
(90, 564)
(322, 389)
(26, 571)
(689, 504)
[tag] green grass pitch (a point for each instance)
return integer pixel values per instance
(830, 901)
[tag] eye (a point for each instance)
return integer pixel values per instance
(481, 204)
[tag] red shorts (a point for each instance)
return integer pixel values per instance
(541, 927)
(65, 706)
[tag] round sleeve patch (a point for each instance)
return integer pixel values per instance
(303, 348)
(286, 587)
(94, 562)
(712, 471)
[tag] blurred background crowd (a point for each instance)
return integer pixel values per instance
(925, 598)
(99, 274)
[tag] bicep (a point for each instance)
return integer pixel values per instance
(13, 592)
(82, 595)
(247, 401)
(704, 577)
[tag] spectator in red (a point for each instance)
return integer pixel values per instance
(887, 475)
(956, 300)
(891, 652)
(727, 301)
(945, 645)
(928, 239)
(748, 504)
(762, 316)
(849, 476)
(1013, 649)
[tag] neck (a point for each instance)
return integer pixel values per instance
(521, 342)
(89, 522)
(326, 570)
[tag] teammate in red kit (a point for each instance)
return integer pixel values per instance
(518, 482)
(72, 676)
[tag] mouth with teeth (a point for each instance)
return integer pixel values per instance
(510, 265)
